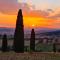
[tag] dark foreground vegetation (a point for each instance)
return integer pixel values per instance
(18, 40)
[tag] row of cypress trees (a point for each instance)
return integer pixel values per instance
(19, 36)
(17, 48)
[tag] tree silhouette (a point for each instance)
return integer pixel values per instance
(54, 47)
(4, 43)
(19, 34)
(32, 41)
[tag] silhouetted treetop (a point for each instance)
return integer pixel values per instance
(19, 18)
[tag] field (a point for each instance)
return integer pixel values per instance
(30, 56)
(47, 55)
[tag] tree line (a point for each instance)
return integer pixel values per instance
(18, 44)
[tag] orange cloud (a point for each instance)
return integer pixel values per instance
(55, 15)
(7, 20)
(40, 22)
(38, 18)
(8, 6)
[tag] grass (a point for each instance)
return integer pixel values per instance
(30, 56)
(44, 47)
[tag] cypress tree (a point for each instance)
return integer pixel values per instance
(54, 47)
(32, 41)
(19, 34)
(4, 43)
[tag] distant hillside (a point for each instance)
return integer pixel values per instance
(8, 31)
(57, 32)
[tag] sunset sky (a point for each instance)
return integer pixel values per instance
(36, 13)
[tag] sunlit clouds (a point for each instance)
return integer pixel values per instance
(36, 13)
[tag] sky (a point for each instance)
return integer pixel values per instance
(36, 13)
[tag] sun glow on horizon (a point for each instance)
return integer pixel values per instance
(33, 25)
(29, 22)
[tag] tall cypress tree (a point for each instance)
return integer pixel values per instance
(19, 34)
(4, 43)
(32, 41)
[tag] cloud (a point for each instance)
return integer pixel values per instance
(50, 10)
(24, 6)
(12, 6)
(8, 6)
(29, 10)
(55, 14)
(38, 13)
